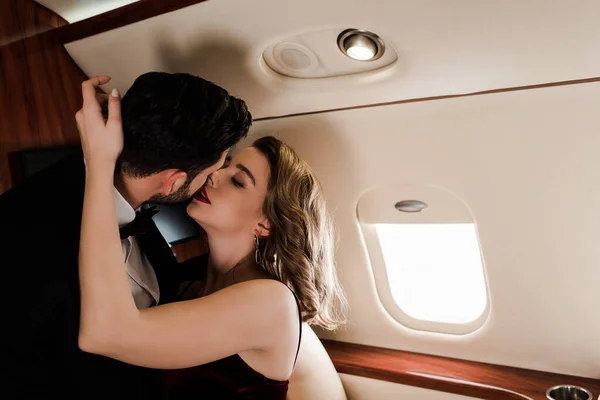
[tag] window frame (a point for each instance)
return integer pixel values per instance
(369, 213)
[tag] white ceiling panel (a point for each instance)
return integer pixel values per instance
(444, 47)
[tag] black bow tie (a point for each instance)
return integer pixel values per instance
(140, 225)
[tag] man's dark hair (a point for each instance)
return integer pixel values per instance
(178, 121)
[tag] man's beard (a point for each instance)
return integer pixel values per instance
(179, 196)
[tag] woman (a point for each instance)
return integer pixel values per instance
(269, 268)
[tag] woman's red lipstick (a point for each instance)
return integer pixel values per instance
(202, 196)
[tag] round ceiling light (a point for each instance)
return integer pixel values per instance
(361, 45)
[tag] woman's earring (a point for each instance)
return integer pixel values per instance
(257, 256)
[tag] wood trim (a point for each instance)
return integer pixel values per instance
(25, 18)
(191, 248)
(442, 97)
(468, 378)
(49, 16)
(117, 18)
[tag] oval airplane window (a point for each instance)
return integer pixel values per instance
(426, 258)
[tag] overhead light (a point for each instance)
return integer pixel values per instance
(361, 45)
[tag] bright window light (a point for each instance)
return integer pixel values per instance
(435, 271)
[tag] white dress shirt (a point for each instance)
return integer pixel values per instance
(142, 279)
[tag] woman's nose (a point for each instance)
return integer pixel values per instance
(213, 179)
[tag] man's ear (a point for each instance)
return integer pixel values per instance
(262, 228)
(172, 181)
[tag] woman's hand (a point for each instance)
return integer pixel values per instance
(102, 141)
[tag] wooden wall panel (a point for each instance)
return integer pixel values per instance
(25, 18)
(40, 85)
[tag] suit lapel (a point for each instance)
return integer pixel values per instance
(154, 246)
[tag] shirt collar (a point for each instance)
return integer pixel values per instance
(125, 213)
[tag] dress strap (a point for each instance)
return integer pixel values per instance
(300, 328)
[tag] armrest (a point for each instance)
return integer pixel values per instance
(469, 378)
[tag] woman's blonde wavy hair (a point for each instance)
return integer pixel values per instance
(299, 250)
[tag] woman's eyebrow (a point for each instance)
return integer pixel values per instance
(247, 171)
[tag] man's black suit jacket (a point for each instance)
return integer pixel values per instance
(40, 225)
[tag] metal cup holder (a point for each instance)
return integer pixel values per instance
(568, 392)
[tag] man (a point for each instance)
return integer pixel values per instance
(177, 129)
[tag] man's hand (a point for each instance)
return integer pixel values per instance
(102, 141)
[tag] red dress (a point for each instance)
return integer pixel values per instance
(224, 379)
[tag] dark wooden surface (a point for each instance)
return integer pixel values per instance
(485, 381)
(119, 17)
(20, 19)
(40, 84)
(189, 249)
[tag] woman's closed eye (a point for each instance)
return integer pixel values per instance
(236, 182)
